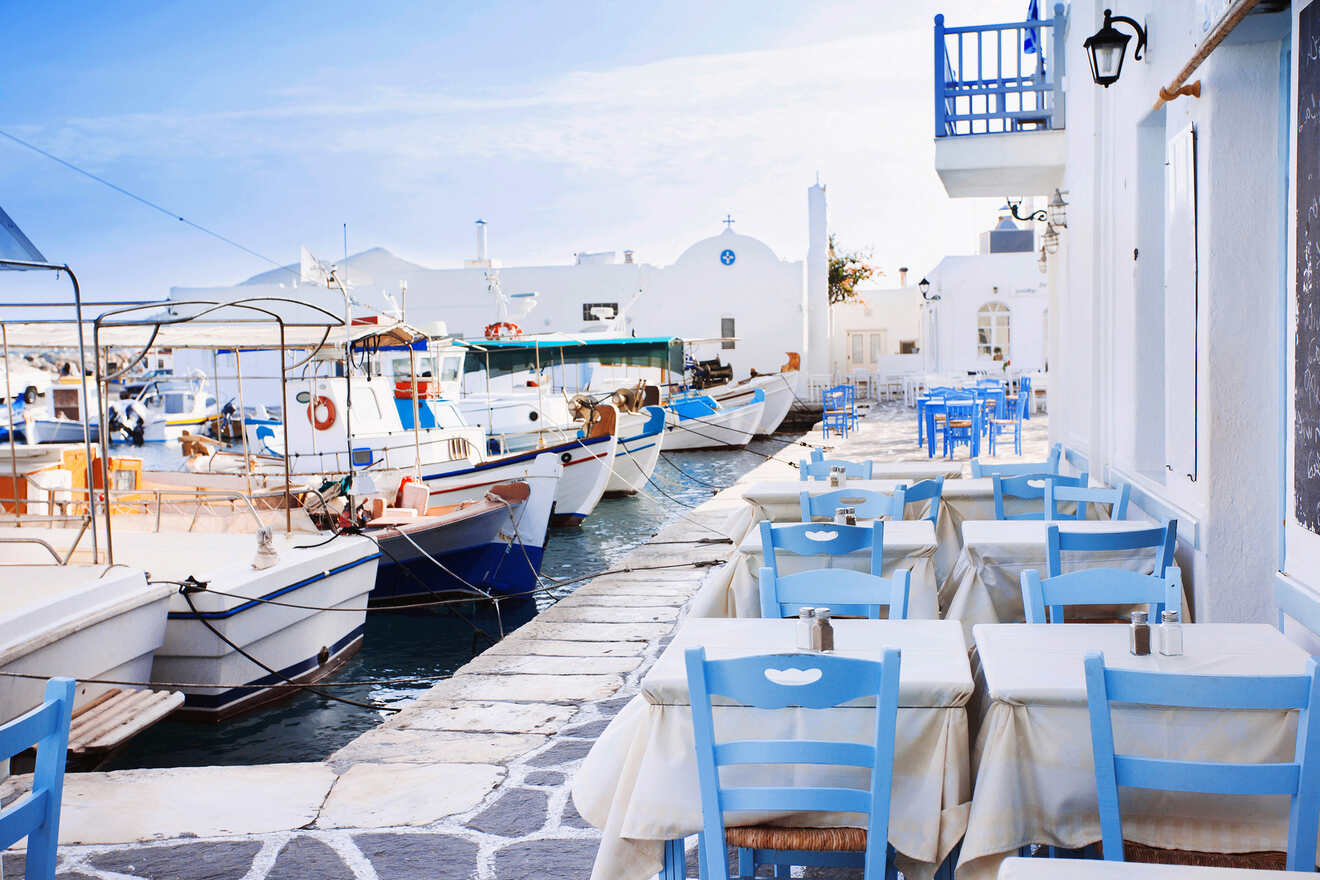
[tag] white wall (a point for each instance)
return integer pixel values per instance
(966, 283)
(894, 312)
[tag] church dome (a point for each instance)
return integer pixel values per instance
(728, 248)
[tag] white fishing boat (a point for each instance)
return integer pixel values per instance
(59, 417)
(641, 438)
(697, 421)
(92, 623)
(779, 397)
(165, 408)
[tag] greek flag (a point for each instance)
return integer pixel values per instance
(1031, 36)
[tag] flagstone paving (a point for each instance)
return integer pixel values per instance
(470, 781)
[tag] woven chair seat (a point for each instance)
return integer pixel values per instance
(960, 423)
(843, 839)
(939, 417)
(1266, 860)
(1003, 421)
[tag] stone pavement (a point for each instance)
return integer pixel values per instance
(470, 781)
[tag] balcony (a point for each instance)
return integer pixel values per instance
(999, 106)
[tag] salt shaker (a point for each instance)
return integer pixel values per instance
(822, 632)
(840, 516)
(1139, 636)
(1171, 634)
(806, 623)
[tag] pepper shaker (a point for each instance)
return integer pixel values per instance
(825, 630)
(1139, 635)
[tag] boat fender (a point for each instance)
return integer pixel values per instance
(398, 496)
(565, 457)
(321, 402)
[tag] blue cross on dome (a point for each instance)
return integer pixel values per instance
(727, 256)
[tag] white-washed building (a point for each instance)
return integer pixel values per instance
(1177, 361)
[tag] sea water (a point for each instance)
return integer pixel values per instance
(433, 643)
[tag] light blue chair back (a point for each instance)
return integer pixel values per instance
(1099, 586)
(869, 503)
(1085, 496)
(1028, 487)
(760, 682)
(1299, 778)
(1049, 466)
(843, 591)
(823, 539)
(927, 489)
(819, 468)
(36, 815)
(1163, 539)
(1296, 602)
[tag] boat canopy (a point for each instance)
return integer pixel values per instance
(505, 356)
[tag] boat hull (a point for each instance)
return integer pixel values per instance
(47, 430)
(588, 463)
(779, 398)
(731, 428)
(637, 454)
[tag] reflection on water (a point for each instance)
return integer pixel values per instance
(432, 643)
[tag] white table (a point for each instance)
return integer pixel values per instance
(1035, 781)
(639, 782)
(733, 589)
(1090, 869)
(985, 585)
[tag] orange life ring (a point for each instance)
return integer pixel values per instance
(403, 389)
(502, 330)
(318, 403)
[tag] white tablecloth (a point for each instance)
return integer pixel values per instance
(1092, 869)
(639, 783)
(733, 589)
(986, 583)
(1035, 781)
(781, 501)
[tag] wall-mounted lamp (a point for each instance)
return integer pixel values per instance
(1107, 46)
(1058, 211)
(1050, 240)
(1043, 263)
(924, 286)
(1011, 205)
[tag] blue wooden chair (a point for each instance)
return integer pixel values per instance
(1163, 539)
(931, 490)
(1098, 586)
(1002, 423)
(819, 468)
(36, 815)
(962, 426)
(823, 539)
(1024, 390)
(1299, 778)
(869, 503)
(843, 591)
(836, 414)
(1049, 466)
(764, 682)
(1028, 487)
(1084, 496)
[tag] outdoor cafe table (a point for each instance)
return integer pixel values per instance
(1035, 780)
(638, 784)
(733, 589)
(1094, 869)
(986, 583)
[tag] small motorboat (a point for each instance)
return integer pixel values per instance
(698, 421)
(641, 438)
(165, 408)
(779, 397)
(61, 418)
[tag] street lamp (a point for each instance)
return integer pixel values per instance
(924, 286)
(1058, 211)
(1107, 46)
(1043, 263)
(1050, 240)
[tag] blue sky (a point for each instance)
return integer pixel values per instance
(567, 126)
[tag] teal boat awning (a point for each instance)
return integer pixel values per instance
(504, 356)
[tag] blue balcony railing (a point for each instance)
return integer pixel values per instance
(993, 78)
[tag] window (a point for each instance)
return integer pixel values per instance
(992, 329)
(858, 341)
(600, 311)
(879, 347)
(726, 330)
(907, 346)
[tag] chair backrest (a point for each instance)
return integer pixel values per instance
(1099, 586)
(1029, 486)
(1049, 466)
(1297, 778)
(926, 489)
(1163, 539)
(819, 469)
(1085, 496)
(843, 591)
(823, 539)
(36, 815)
(768, 682)
(834, 398)
(869, 503)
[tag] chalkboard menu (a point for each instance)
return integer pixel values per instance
(1306, 378)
